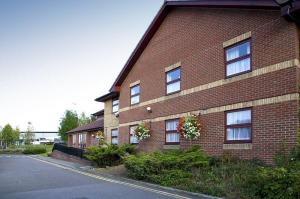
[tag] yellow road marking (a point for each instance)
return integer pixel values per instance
(113, 181)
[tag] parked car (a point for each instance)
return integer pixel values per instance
(42, 141)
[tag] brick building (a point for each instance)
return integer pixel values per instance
(234, 63)
(87, 135)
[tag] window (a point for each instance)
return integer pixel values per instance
(114, 136)
(115, 105)
(238, 126)
(82, 140)
(74, 139)
(173, 81)
(135, 94)
(238, 59)
(133, 139)
(172, 135)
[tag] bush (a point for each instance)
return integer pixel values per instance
(108, 155)
(35, 149)
(11, 151)
(281, 182)
(224, 176)
(145, 166)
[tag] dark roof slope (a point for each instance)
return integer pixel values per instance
(99, 113)
(93, 126)
(107, 96)
(162, 13)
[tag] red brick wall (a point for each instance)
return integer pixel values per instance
(195, 36)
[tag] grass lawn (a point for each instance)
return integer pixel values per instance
(48, 150)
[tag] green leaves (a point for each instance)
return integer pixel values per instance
(108, 155)
(70, 121)
(9, 135)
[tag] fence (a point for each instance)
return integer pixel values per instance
(68, 150)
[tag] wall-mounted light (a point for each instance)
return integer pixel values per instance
(149, 110)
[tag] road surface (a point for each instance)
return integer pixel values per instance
(25, 177)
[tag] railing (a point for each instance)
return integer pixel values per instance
(68, 150)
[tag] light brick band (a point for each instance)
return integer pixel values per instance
(172, 66)
(237, 39)
(259, 102)
(135, 83)
(254, 73)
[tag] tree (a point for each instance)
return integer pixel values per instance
(83, 119)
(29, 136)
(68, 122)
(9, 135)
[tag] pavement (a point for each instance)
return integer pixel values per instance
(38, 177)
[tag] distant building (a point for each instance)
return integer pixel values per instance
(89, 134)
(52, 136)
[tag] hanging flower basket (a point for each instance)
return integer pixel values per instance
(189, 127)
(142, 132)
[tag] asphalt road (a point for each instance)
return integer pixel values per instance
(24, 177)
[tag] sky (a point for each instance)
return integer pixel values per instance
(62, 54)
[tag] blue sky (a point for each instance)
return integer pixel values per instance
(62, 54)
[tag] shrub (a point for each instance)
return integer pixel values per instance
(143, 166)
(108, 155)
(280, 182)
(11, 151)
(34, 149)
(174, 177)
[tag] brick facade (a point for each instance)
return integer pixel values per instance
(195, 38)
(110, 120)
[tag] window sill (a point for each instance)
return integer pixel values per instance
(135, 105)
(173, 93)
(173, 146)
(245, 146)
(237, 74)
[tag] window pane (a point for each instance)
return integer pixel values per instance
(115, 102)
(172, 137)
(239, 117)
(173, 75)
(133, 138)
(114, 140)
(114, 132)
(135, 90)
(171, 125)
(238, 51)
(135, 99)
(74, 139)
(238, 134)
(238, 67)
(173, 87)
(115, 108)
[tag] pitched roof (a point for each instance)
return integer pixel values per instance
(99, 113)
(164, 10)
(107, 96)
(93, 126)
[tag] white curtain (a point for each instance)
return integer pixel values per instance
(171, 125)
(135, 99)
(172, 137)
(74, 138)
(114, 133)
(114, 140)
(173, 87)
(238, 67)
(238, 133)
(238, 51)
(239, 117)
(133, 138)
